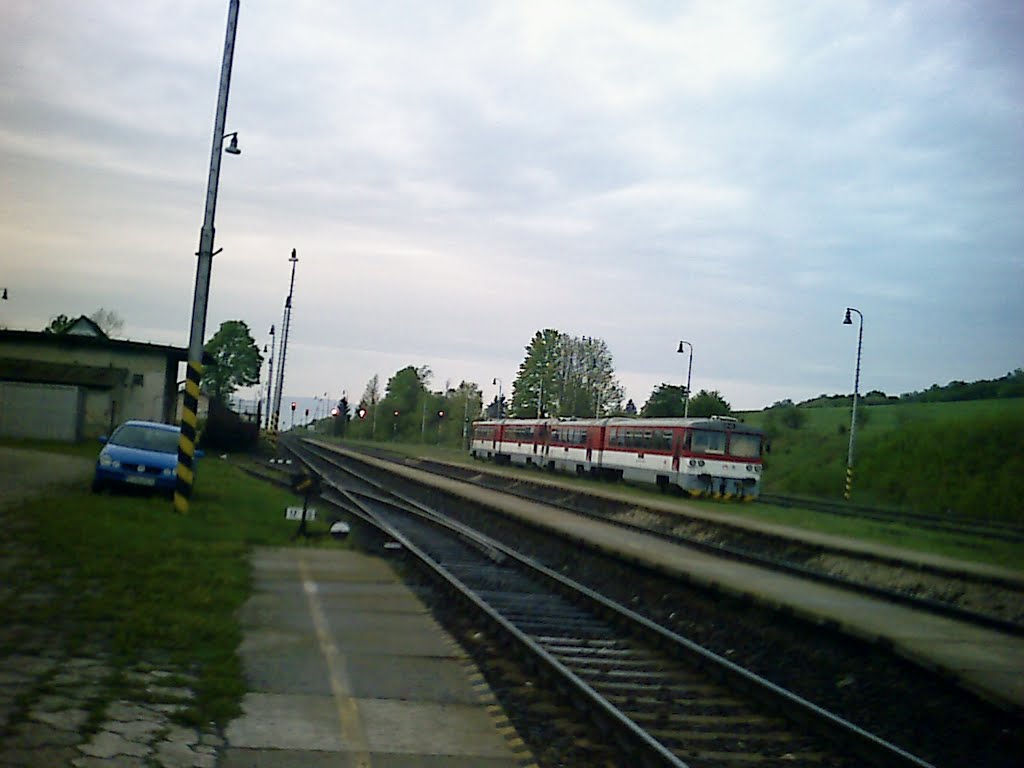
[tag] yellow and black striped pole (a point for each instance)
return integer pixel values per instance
(187, 441)
(185, 473)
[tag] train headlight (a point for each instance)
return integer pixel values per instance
(693, 462)
(750, 467)
(700, 463)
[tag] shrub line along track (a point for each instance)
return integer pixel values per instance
(665, 698)
(739, 544)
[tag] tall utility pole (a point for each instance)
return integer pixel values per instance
(285, 327)
(194, 373)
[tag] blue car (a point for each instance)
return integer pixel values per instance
(140, 454)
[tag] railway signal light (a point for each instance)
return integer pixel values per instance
(294, 406)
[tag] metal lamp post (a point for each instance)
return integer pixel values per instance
(856, 392)
(270, 378)
(689, 370)
(194, 373)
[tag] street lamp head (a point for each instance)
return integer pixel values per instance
(681, 347)
(847, 320)
(232, 148)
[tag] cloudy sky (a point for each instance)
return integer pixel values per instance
(458, 175)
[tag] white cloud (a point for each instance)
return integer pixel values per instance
(457, 176)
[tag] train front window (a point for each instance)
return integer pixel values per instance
(704, 441)
(744, 446)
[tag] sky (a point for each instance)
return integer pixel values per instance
(456, 176)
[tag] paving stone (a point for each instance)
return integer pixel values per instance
(174, 754)
(64, 720)
(127, 711)
(182, 735)
(108, 745)
(211, 740)
(104, 762)
(142, 731)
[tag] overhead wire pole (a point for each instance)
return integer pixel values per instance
(285, 328)
(193, 376)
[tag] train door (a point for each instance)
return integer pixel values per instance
(539, 438)
(590, 443)
(677, 448)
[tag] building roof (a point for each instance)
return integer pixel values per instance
(78, 341)
(85, 326)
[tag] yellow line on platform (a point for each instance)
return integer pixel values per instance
(353, 732)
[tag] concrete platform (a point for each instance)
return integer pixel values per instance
(346, 667)
(986, 662)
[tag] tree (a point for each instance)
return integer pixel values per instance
(403, 403)
(58, 324)
(109, 321)
(340, 418)
(709, 404)
(630, 407)
(666, 401)
(565, 376)
(236, 360)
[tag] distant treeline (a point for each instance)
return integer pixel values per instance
(1010, 385)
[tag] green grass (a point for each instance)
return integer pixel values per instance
(963, 459)
(149, 584)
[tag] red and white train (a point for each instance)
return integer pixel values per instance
(717, 457)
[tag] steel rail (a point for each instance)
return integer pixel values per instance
(739, 554)
(990, 529)
(798, 709)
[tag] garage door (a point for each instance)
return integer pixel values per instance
(40, 411)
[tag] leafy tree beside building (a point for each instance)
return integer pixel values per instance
(235, 360)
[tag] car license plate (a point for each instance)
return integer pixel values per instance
(140, 480)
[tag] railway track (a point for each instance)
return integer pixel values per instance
(989, 529)
(990, 602)
(664, 699)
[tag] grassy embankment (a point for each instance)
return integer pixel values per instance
(128, 574)
(965, 459)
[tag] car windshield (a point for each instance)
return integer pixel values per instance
(146, 438)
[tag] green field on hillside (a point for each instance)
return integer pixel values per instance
(964, 458)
